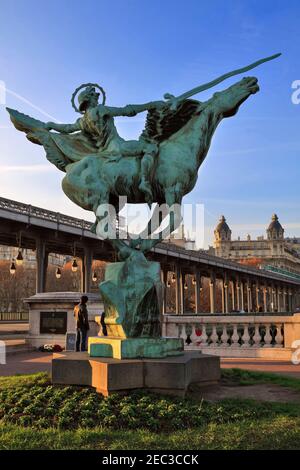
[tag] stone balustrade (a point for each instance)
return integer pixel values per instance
(264, 335)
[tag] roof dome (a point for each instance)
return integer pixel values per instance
(222, 231)
(275, 229)
(222, 225)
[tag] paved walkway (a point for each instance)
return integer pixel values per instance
(277, 367)
(32, 362)
(9, 328)
(26, 363)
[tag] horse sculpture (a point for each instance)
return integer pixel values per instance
(160, 167)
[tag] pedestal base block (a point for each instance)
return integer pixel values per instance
(172, 375)
(134, 348)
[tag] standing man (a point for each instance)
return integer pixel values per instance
(103, 325)
(82, 323)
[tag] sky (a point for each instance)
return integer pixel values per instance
(138, 50)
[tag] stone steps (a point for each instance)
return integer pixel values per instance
(14, 335)
(15, 346)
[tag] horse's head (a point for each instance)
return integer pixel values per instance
(227, 102)
(181, 155)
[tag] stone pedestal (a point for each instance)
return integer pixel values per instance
(132, 294)
(134, 348)
(172, 375)
(51, 316)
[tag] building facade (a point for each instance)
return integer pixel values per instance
(273, 252)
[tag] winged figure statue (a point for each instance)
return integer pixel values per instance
(161, 166)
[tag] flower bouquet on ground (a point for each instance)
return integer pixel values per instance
(51, 348)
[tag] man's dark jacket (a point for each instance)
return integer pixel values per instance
(81, 316)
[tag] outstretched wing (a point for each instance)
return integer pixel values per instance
(61, 149)
(161, 124)
(25, 123)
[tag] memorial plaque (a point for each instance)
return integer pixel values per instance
(54, 323)
(70, 341)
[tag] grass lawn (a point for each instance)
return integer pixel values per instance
(247, 377)
(36, 415)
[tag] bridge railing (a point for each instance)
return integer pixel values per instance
(227, 335)
(51, 216)
(14, 316)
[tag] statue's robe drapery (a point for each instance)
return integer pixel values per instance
(62, 149)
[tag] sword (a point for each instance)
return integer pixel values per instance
(173, 100)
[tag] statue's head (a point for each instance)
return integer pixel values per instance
(88, 97)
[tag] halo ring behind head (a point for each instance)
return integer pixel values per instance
(84, 85)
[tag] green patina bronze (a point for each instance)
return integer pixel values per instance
(160, 167)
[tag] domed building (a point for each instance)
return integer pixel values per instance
(275, 230)
(274, 252)
(222, 234)
(222, 231)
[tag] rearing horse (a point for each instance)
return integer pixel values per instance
(96, 181)
(100, 166)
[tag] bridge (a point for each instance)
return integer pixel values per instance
(243, 288)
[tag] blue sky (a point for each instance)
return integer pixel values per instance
(138, 50)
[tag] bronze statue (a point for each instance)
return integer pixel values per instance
(160, 167)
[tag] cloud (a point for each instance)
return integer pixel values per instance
(295, 225)
(25, 100)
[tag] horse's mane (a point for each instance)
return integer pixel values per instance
(161, 124)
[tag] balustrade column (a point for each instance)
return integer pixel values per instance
(279, 337)
(235, 336)
(268, 337)
(193, 336)
(204, 336)
(256, 338)
(246, 336)
(214, 336)
(225, 337)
